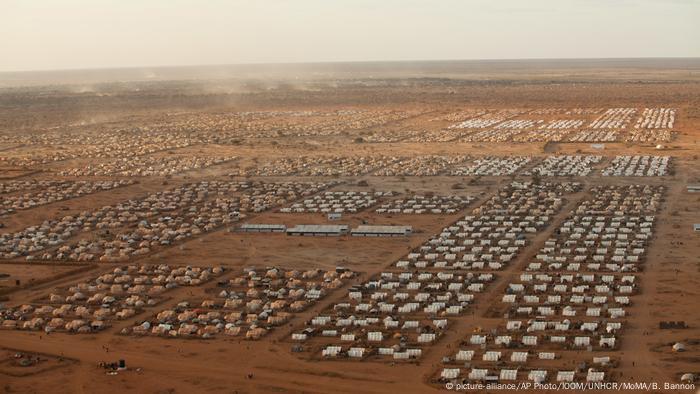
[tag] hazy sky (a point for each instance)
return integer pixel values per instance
(61, 34)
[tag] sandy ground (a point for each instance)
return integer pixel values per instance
(669, 282)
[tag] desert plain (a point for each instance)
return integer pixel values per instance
(545, 213)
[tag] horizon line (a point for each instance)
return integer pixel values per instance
(331, 62)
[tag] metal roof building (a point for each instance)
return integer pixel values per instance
(262, 228)
(322, 230)
(382, 231)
